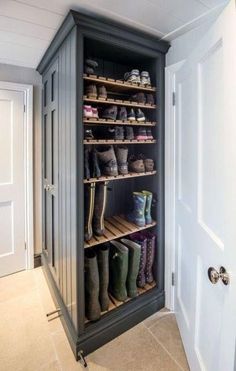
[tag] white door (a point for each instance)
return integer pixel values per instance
(205, 198)
(12, 182)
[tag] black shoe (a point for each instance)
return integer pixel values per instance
(110, 113)
(149, 133)
(116, 133)
(150, 99)
(131, 115)
(139, 98)
(122, 114)
(88, 134)
(129, 133)
(140, 115)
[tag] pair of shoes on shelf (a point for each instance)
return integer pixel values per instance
(120, 133)
(113, 113)
(144, 134)
(142, 98)
(94, 92)
(96, 265)
(125, 257)
(142, 78)
(90, 112)
(147, 242)
(140, 164)
(90, 65)
(141, 214)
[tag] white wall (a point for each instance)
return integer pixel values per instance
(24, 75)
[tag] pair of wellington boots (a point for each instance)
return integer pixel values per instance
(147, 242)
(94, 209)
(141, 213)
(124, 268)
(96, 281)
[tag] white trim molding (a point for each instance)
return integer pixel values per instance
(170, 182)
(28, 167)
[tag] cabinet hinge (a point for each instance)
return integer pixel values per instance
(173, 279)
(25, 246)
(24, 108)
(173, 98)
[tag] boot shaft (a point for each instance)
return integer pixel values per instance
(92, 305)
(89, 197)
(133, 267)
(99, 208)
(118, 270)
(148, 206)
(107, 160)
(121, 156)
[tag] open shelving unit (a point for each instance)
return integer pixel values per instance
(117, 49)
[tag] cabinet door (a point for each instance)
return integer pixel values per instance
(50, 169)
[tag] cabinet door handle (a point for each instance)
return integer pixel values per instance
(214, 276)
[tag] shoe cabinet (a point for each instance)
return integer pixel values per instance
(116, 49)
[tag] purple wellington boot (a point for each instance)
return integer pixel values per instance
(141, 239)
(151, 245)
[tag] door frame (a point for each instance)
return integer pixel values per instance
(170, 272)
(28, 166)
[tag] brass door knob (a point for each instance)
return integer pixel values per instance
(214, 276)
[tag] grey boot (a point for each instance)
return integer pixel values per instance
(134, 262)
(118, 270)
(89, 195)
(99, 208)
(103, 267)
(121, 156)
(92, 305)
(107, 160)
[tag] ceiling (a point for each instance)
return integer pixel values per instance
(28, 26)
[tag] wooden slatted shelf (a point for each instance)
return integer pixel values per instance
(119, 102)
(112, 141)
(118, 85)
(119, 177)
(89, 121)
(114, 303)
(116, 227)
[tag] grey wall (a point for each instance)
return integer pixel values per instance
(24, 75)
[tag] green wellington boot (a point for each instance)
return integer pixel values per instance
(119, 255)
(103, 268)
(134, 261)
(99, 208)
(148, 206)
(92, 305)
(89, 195)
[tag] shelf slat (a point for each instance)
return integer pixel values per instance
(119, 103)
(89, 121)
(119, 85)
(112, 141)
(116, 227)
(119, 177)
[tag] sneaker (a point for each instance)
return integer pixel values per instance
(131, 115)
(133, 76)
(102, 92)
(145, 78)
(140, 115)
(116, 133)
(139, 98)
(129, 133)
(150, 99)
(88, 111)
(110, 113)
(122, 114)
(149, 133)
(91, 91)
(141, 134)
(95, 113)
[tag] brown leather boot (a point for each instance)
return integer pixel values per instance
(99, 208)
(136, 165)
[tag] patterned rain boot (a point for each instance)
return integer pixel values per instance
(119, 256)
(137, 216)
(89, 194)
(92, 306)
(142, 241)
(103, 268)
(99, 208)
(151, 243)
(134, 262)
(148, 218)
